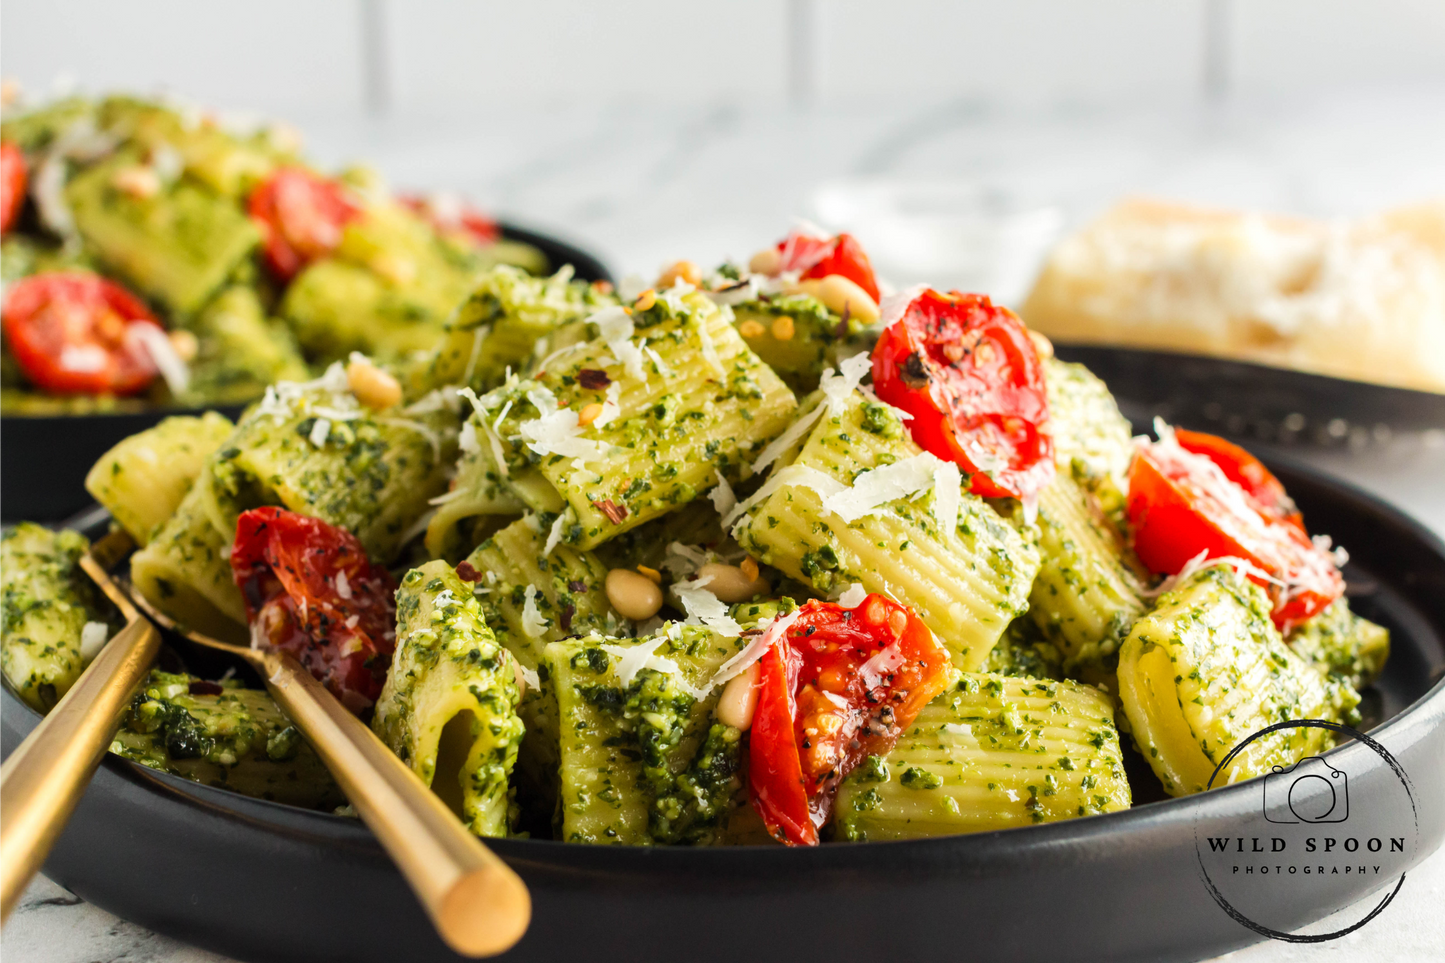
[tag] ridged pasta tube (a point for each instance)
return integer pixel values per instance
(530, 598)
(185, 572)
(142, 480)
(643, 760)
(449, 706)
(1087, 593)
(966, 585)
(1204, 670)
(46, 601)
(672, 398)
(990, 752)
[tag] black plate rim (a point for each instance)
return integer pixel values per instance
(1256, 368)
(341, 830)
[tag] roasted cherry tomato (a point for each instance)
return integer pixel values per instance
(310, 591)
(1246, 471)
(1180, 504)
(454, 217)
(835, 686)
(301, 216)
(12, 186)
(74, 332)
(970, 376)
(815, 257)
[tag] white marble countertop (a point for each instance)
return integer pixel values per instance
(645, 187)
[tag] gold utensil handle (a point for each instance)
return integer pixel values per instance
(45, 776)
(478, 904)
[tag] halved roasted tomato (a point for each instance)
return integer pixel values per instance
(301, 216)
(73, 332)
(311, 591)
(12, 185)
(1183, 503)
(835, 686)
(970, 376)
(818, 257)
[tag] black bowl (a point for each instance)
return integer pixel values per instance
(1253, 401)
(262, 881)
(45, 457)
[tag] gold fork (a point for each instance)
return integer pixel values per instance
(477, 903)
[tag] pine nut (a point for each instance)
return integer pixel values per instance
(729, 583)
(185, 344)
(751, 329)
(783, 328)
(372, 386)
(634, 596)
(739, 699)
(651, 573)
(645, 300)
(1042, 345)
(843, 296)
(766, 261)
(141, 182)
(589, 414)
(681, 271)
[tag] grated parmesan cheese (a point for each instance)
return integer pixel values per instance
(704, 608)
(837, 387)
(801, 476)
(614, 326)
(554, 536)
(853, 596)
(881, 666)
(874, 489)
(632, 659)
(533, 624)
(709, 350)
(774, 631)
(723, 498)
(947, 497)
(163, 353)
(893, 307)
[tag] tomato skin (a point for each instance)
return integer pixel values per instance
(287, 567)
(1246, 471)
(970, 376)
(836, 686)
(72, 332)
(818, 257)
(12, 186)
(1175, 514)
(457, 219)
(301, 216)
(775, 767)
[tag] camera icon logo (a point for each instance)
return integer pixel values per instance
(1310, 791)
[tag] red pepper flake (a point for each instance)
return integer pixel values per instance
(467, 572)
(577, 585)
(566, 617)
(592, 379)
(200, 687)
(612, 510)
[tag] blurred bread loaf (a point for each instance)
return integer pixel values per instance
(1363, 300)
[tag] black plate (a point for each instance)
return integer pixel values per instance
(261, 881)
(46, 457)
(1253, 401)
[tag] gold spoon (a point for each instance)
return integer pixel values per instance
(477, 903)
